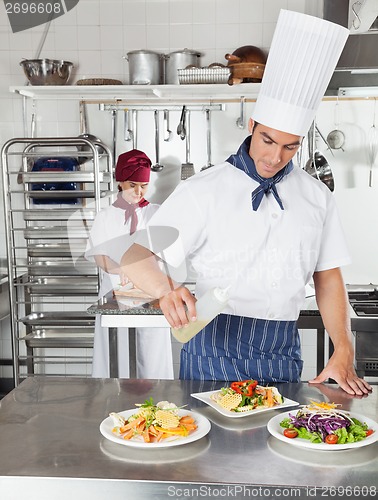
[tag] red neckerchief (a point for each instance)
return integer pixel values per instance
(130, 210)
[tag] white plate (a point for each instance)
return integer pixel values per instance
(277, 431)
(203, 427)
(205, 397)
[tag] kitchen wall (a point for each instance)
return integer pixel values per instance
(96, 35)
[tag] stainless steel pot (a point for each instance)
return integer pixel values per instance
(145, 67)
(179, 60)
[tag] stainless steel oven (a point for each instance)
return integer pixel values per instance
(364, 302)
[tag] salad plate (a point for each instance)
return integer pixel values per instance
(203, 428)
(276, 430)
(206, 397)
(157, 455)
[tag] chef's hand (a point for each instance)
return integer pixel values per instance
(123, 279)
(340, 369)
(335, 394)
(177, 306)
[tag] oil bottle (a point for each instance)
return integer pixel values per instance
(208, 306)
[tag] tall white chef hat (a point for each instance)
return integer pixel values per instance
(301, 60)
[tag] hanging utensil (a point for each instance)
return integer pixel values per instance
(240, 122)
(157, 167)
(167, 132)
(336, 137)
(317, 165)
(84, 134)
(372, 146)
(208, 140)
(324, 140)
(181, 126)
(127, 132)
(114, 134)
(187, 168)
(135, 129)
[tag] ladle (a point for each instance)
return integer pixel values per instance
(317, 165)
(84, 134)
(157, 167)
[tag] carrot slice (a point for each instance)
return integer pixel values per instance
(146, 435)
(187, 419)
(189, 427)
(269, 398)
(132, 425)
(129, 434)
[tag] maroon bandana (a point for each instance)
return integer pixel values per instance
(130, 210)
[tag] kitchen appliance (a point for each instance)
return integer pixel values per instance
(179, 59)
(47, 71)
(358, 63)
(364, 302)
(145, 67)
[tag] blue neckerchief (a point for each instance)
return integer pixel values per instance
(244, 162)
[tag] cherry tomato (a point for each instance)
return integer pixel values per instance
(331, 439)
(369, 432)
(290, 433)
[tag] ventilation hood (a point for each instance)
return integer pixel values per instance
(358, 63)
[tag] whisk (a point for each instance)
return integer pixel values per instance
(372, 146)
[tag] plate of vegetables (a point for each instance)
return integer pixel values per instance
(323, 426)
(154, 426)
(243, 398)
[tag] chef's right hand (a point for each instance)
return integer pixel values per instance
(177, 306)
(123, 279)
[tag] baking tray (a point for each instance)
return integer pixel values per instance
(59, 214)
(59, 195)
(52, 250)
(60, 318)
(60, 337)
(54, 232)
(79, 176)
(64, 285)
(61, 268)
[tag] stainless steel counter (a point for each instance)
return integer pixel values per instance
(51, 447)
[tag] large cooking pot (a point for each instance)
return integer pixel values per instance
(145, 67)
(179, 60)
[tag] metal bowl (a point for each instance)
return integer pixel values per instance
(47, 71)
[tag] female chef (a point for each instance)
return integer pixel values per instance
(109, 236)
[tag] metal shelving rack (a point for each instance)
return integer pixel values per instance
(52, 282)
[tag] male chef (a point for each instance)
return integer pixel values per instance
(262, 227)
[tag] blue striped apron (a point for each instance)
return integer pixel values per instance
(238, 348)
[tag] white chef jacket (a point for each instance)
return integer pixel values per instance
(266, 256)
(110, 236)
